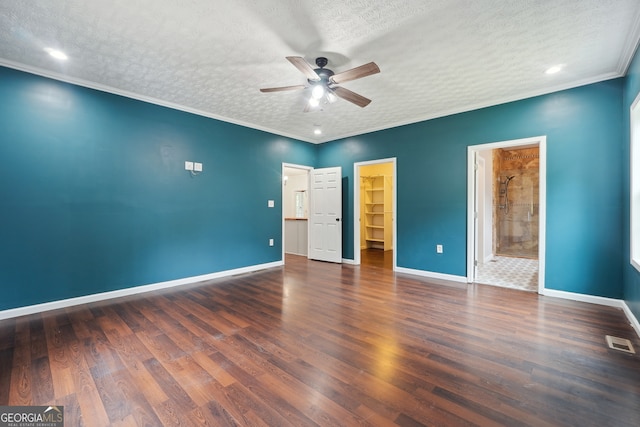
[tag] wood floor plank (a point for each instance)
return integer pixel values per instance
(254, 411)
(320, 409)
(7, 334)
(216, 371)
(177, 330)
(316, 343)
(41, 376)
(6, 363)
(194, 379)
(113, 401)
(169, 385)
(20, 393)
(140, 409)
(170, 414)
(87, 393)
(73, 414)
(217, 414)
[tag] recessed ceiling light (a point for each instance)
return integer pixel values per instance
(58, 54)
(554, 69)
(317, 132)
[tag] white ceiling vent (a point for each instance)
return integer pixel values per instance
(620, 344)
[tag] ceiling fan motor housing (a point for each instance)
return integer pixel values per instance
(321, 61)
(323, 73)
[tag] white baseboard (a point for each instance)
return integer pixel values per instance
(348, 261)
(611, 302)
(54, 305)
(632, 319)
(432, 275)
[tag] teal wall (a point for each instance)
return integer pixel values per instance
(631, 275)
(584, 201)
(94, 196)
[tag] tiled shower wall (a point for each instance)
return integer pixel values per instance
(516, 206)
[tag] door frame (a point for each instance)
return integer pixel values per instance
(282, 189)
(479, 203)
(472, 150)
(357, 213)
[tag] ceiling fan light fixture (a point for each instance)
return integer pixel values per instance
(314, 102)
(318, 91)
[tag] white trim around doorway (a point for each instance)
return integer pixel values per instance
(356, 208)
(472, 150)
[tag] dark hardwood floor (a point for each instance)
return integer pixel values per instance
(322, 344)
(376, 258)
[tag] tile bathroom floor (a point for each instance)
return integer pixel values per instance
(509, 272)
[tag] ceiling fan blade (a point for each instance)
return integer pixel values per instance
(355, 73)
(350, 96)
(281, 89)
(303, 66)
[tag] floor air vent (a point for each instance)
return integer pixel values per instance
(620, 344)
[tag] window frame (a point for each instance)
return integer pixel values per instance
(634, 183)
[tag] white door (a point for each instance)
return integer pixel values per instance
(325, 215)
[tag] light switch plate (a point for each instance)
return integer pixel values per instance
(271, 203)
(197, 167)
(188, 166)
(270, 242)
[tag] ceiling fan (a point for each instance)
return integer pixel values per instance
(324, 82)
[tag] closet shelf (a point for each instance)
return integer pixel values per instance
(377, 218)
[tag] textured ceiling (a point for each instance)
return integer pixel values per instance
(211, 57)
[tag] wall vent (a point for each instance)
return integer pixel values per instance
(620, 344)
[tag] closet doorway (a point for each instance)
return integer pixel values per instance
(374, 213)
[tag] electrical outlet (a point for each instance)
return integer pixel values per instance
(439, 249)
(188, 166)
(271, 203)
(270, 242)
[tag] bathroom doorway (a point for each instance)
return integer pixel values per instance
(374, 213)
(506, 217)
